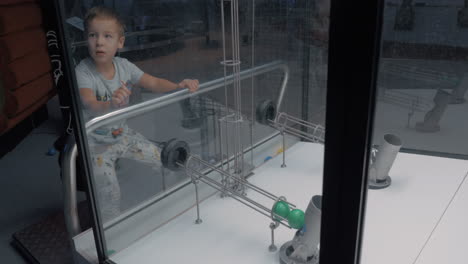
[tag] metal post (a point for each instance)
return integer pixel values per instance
(284, 150)
(163, 178)
(198, 221)
(272, 247)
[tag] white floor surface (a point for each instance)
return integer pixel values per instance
(398, 225)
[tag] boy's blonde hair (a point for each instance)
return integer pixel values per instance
(103, 12)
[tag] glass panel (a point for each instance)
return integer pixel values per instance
(421, 109)
(242, 157)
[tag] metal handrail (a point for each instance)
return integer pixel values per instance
(69, 181)
(72, 221)
(162, 101)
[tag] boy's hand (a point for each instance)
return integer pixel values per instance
(120, 96)
(192, 85)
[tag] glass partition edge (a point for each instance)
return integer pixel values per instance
(80, 137)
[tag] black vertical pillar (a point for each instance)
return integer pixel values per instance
(353, 55)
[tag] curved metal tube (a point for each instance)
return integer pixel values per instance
(72, 221)
(69, 173)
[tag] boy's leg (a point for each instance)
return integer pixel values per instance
(107, 184)
(141, 149)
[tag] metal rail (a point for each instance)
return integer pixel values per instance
(418, 73)
(285, 123)
(197, 176)
(414, 103)
(69, 175)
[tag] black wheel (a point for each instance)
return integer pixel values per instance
(265, 112)
(175, 154)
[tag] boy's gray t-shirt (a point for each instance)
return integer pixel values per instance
(87, 76)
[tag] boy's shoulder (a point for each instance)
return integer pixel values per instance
(121, 60)
(86, 66)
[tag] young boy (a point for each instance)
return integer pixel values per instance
(104, 83)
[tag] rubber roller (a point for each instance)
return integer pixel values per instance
(174, 153)
(266, 110)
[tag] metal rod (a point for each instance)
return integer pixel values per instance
(228, 164)
(198, 221)
(273, 226)
(224, 76)
(235, 61)
(226, 174)
(220, 138)
(281, 123)
(163, 177)
(302, 134)
(413, 102)
(214, 184)
(252, 82)
(242, 157)
(284, 151)
(238, 161)
(214, 122)
(223, 178)
(250, 185)
(266, 139)
(248, 205)
(421, 75)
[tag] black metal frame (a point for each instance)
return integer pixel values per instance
(354, 48)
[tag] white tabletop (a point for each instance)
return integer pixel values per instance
(449, 242)
(399, 219)
(232, 232)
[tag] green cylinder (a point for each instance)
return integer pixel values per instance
(296, 218)
(280, 208)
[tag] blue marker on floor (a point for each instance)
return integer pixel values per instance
(51, 151)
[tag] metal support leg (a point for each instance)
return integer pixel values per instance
(163, 178)
(284, 150)
(198, 221)
(272, 247)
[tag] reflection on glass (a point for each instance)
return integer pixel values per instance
(244, 152)
(421, 108)
(422, 78)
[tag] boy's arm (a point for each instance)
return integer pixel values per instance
(159, 85)
(88, 98)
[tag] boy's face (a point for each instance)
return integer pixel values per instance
(104, 39)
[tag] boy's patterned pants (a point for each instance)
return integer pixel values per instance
(131, 146)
